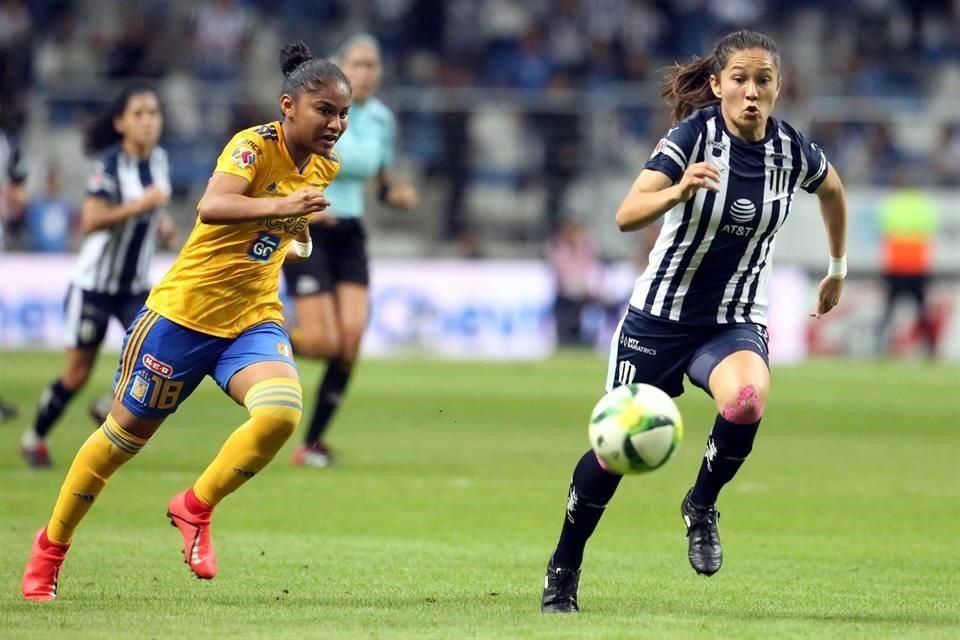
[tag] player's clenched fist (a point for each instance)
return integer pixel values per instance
(305, 201)
(701, 175)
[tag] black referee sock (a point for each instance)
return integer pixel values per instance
(590, 491)
(728, 446)
(53, 401)
(328, 399)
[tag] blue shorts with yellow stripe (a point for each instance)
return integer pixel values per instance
(162, 362)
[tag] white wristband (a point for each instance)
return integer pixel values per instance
(838, 268)
(303, 249)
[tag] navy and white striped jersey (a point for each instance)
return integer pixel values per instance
(711, 262)
(117, 260)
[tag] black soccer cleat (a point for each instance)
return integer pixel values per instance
(560, 590)
(704, 552)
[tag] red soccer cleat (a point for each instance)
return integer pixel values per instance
(34, 451)
(42, 575)
(317, 455)
(195, 528)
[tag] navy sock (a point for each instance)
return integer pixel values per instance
(728, 446)
(590, 491)
(53, 401)
(328, 399)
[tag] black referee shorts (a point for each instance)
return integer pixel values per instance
(339, 255)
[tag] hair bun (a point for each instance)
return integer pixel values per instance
(293, 55)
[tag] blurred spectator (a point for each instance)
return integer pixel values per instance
(577, 270)
(908, 221)
(946, 156)
(16, 56)
(455, 156)
(223, 28)
(584, 68)
(885, 156)
(13, 177)
(50, 218)
(559, 127)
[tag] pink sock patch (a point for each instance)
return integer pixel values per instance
(746, 409)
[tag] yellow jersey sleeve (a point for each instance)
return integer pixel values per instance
(243, 156)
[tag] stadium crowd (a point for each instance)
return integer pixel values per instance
(520, 106)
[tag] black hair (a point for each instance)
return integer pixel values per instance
(687, 86)
(303, 72)
(101, 133)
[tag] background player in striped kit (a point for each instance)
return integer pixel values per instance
(330, 289)
(13, 178)
(724, 177)
(122, 220)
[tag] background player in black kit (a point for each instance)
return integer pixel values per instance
(723, 178)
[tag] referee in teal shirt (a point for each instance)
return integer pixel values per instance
(330, 290)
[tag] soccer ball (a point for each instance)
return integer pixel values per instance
(635, 428)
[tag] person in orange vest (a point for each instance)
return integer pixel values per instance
(908, 223)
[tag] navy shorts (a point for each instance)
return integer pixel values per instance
(162, 362)
(88, 314)
(658, 352)
(339, 255)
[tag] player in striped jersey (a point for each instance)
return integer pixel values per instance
(121, 218)
(723, 178)
(13, 178)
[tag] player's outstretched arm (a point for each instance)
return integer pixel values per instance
(653, 194)
(833, 210)
(225, 202)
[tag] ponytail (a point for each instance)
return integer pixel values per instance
(686, 87)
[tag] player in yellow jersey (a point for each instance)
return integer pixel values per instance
(217, 312)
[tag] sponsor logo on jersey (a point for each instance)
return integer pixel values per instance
(263, 247)
(292, 225)
(717, 146)
(634, 345)
(283, 349)
(161, 368)
(253, 145)
(742, 210)
(244, 158)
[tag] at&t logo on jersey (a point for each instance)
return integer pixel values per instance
(263, 247)
(742, 211)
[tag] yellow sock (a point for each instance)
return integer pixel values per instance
(102, 454)
(275, 406)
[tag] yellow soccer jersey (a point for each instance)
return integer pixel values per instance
(227, 277)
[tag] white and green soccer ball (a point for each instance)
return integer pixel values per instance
(635, 428)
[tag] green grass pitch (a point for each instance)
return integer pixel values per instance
(843, 524)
